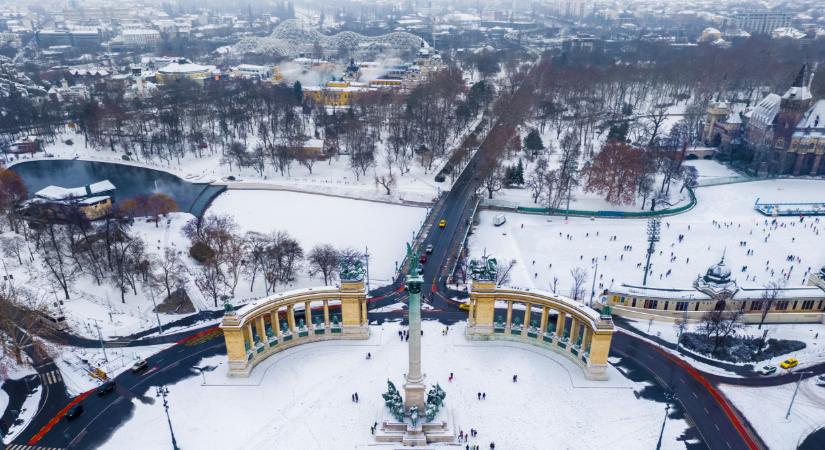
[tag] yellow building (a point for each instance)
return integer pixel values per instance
(716, 291)
(336, 93)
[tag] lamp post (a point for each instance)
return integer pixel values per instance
(798, 382)
(155, 308)
(593, 286)
(654, 226)
(162, 391)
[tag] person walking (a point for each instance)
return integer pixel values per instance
(515, 378)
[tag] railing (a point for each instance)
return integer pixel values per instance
(612, 214)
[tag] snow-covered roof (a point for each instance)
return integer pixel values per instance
(250, 307)
(654, 292)
(185, 68)
(766, 110)
(812, 123)
(797, 93)
(61, 193)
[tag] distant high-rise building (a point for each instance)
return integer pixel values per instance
(761, 22)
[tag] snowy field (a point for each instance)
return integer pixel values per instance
(765, 409)
(545, 247)
(300, 399)
(318, 219)
(333, 176)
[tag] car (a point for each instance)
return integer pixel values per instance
(429, 248)
(231, 178)
(789, 363)
(125, 157)
(767, 370)
(820, 379)
(464, 306)
(442, 223)
(74, 412)
(140, 366)
(423, 258)
(106, 387)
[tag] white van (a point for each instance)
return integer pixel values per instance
(499, 220)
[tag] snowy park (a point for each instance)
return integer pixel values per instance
(307, 391)
(756, 248)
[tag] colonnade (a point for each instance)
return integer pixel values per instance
(267, 326)
(577, 331)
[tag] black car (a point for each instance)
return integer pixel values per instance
(75, 411)
(106, 387)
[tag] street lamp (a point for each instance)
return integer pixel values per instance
(162, 391)
(654, 227)
(593, 286)
(798, 382)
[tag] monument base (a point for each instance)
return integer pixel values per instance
(439, 431)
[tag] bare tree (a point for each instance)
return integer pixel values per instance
(579, 277)
(209, 280)
(171, 272)
(323, 259)
(768, 297)
(386, 181)
(721, 323)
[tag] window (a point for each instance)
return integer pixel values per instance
(634, 302)
(696, 308)
(756, 305)
(820, 305)
(808, 304)
(794, 304)
(681, 306)
(781, 305)
(651, 304)
(666, 305)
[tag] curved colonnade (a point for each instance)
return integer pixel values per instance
(269, 325)
(576, 331)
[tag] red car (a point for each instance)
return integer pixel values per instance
(423, 258)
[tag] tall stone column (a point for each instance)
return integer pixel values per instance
(308, 316)
(542, 323)
(276, 327)
(527, 313)
(574, 331)
(326, 313)
(261, 330)
(560, 325)
(290, 318)
(509, 321)
(414, 386)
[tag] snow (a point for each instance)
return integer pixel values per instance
(4, 400)
(543, 239)
(710, 169)
(318, 219)
(27, 412)
(765, 409)
(298, 398)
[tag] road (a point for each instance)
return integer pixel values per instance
(716, 426)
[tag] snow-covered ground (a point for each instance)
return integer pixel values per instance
(94, 305)
(27, 412)
(332, 176)
(765, 409)
(318, 219)
(723, 217)
(300, 399)
(711, 170)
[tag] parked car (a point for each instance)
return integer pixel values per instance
(429, 248)
(423, 258)
(140, 366)
(820, 380)
(442, 223)
(767, 370)
(789, 363)
(106, 387)
(499, 220)
(125, 157)
(74, 412)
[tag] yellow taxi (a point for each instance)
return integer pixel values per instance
(442, 223)
(789, 363)
(464, 306)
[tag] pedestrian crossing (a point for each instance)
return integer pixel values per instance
(51, 377)
(30, 447)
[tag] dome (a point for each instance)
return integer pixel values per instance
(718, 273)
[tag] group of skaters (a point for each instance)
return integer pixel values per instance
(465, 437)
(404, 335)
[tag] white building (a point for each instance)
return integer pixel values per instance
(140, 37)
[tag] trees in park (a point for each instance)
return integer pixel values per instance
(720, 323)
(614, 172)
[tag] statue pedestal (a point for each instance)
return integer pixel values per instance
(439, 430)
(415, 394)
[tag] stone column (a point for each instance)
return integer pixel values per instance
(363, 303)
(560, 325)
(588, 335)
(817, 162)
(308, 316)
(261, 329)
(247, 336)
(527, 313)
(276, 326)
(542, 323)
(508, 322)
(326, 313)
(414, 388)
(574, 331)
(290, 318)
(599, 349)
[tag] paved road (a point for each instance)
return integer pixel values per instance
(104, 415)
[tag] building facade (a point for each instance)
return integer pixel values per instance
(717, 291)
